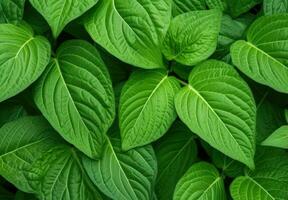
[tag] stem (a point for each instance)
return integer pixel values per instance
(181, 82)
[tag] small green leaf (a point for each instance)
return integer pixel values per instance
(22, 142)
(146, 107)
(124, 175)
(10, 112)
(192, 37)
(201, 181)
(131, 30)
(183, 6)
(264, 56)
(272, 7)
(175, 153)
(278, 138)
(11, 11)
(238, 7)
(75, 94)
(23, 57)
(218, 106)
(59, 13)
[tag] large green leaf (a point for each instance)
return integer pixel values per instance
(59, 175)
(278, 138)
(192, 37)
(23, 57)
(22, 142)
(272, 7)
(75, 94)
(267, 182)
(11, 11)
(201, 181)
(264, 56)
(131, 30)
(58, 13)
(183, 6)
(146, 107)
(219, 107)
(124, 175)
(175, 153)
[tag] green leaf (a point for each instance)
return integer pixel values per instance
(146, 107)
(201, 181)
(10, 112)
(11, 11)
(124, 175)
(59, 174)
(238, 7)
(218, 106)
(278, 138)
(75, 94)
(59, 13)
(216, 4)
(272, 7)
(264, 57)
(268, 181)
(286, 115)
(23, 57)
(192, 37)
(183, 6)
(175, 153)
(22, 142)
(131, 30)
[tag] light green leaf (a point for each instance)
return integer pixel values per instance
(146, 107)
(11, 11)
(75, 94)
(264, 57)
(192, 37)
(23, 57)
(238, 7)
(175, 153)
(183, 6)
(267, 182)
(131, 30)
(201, 181)
(272, 7)
(22, 142)
(58, 13)
(124, 175)
(59, 174)
(278, 138)
(218, 106)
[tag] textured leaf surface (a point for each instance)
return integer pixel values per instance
(131, 30)
(272, 7)
(75, 94)
(124, 175)
(59, 174)
(146, 107)
(11, 11)
(201, 181)
(264, 57)
(192, 37)
(183, 6)
(23, 57)
(10, 112)
(175, 153)
(58, 13)
(22, 142)
(237, 7)
(218, 106)
(268, 181)
(278, 138)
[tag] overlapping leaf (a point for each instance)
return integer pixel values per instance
(23, 57)
(272, 7)
(219, 107)
(58, 13)
(11, 11)
(75, 95)
(146, 107)
(278, 138)
(131, 30)
(192, 37)
(124, 175)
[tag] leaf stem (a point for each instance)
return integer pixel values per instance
(181, 82)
